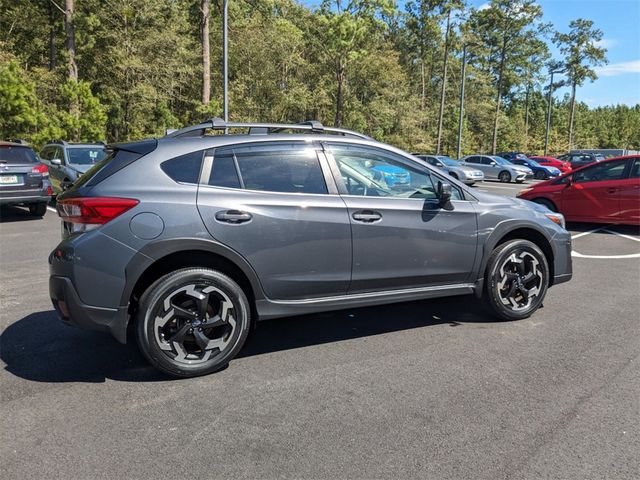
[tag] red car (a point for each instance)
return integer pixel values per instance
(553, 162)
(603, 192)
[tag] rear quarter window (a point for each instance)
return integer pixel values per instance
(185, 168)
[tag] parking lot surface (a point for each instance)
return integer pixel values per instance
(430, 389)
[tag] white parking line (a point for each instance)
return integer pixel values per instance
(51, 209)
(604, 257)
(573, 237)
(621, 235)
(515, 187)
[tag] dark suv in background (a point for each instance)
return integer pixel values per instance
(190, 238)
(24, 180)
(68, 161)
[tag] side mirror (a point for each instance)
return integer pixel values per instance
(56, 161)
(444, 193)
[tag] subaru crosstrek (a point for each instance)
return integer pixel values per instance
(189, 239)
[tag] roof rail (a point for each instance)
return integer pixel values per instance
(19, 141)
(311, 126)
(58, 142)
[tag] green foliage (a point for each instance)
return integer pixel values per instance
(361, 63)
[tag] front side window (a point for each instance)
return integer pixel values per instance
(601, 172)
(373, 172)
(635, 169)
(284, 168)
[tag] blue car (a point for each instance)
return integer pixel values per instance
(540, 172)
(393, 176)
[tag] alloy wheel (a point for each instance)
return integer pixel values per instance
(194, 322)
(519, 281)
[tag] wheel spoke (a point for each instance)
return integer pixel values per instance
(528, 277)
(178, 337)
(511, 291)
(182, 312)
(214, 321)
(201, 339)
(202, 303)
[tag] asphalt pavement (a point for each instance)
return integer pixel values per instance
(426, 390)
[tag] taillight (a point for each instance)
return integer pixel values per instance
(42, 169)
(87, 213)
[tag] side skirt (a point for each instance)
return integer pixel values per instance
(285, 308)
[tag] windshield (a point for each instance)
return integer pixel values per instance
(14, 155)
(448, 161)
(85, 155)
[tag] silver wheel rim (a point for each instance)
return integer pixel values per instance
(519, 281)
(193, 323)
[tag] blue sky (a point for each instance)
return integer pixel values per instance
(619, 20)
(619, 81)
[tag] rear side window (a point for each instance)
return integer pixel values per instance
(286, 168)
(185, 168)
(14, 155)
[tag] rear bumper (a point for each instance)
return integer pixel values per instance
(73, 311)
(24, 197)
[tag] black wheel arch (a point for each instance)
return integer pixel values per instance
(158, 258)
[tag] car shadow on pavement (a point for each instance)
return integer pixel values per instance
(16, 214)
(40, 348)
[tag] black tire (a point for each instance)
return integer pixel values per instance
(504, 176)
(504, 290)
(453, 175)
(547, 203)
(187, 286)
(540, 175)
(38, 209)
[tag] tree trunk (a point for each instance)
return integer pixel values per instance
(206, 53)
(340, 77)
(422, 79)
(53, 20)
(572, 110)
(71, 40)
(444, 83)
(494, 145)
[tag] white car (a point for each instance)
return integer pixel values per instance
(497, 168)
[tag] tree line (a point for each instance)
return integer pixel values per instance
(127, 69)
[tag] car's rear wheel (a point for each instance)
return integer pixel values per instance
(192, 322)
(454, 175)
(504, 177)
(540, 175)
(38, 209)
(517, 278)
(547, 203)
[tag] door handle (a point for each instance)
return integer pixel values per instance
(612, 190)
(367, 216)
(233, 216)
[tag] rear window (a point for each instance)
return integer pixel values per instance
(14, 155)
(85, 155)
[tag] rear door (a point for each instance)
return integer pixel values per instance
(402, 238)
(594, 193)
(629, 191)
(277, 205)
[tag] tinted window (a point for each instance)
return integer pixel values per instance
(601, 172)
(14, 155)
(373, 172)
(487, 161)
(224, 173)
(635, 169)
(185, 168)
(474, 160)
(280, 168)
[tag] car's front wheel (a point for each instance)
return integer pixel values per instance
(540, 175)
(192, 322)
(516, 281)
(504, 177)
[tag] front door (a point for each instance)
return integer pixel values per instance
(629, 192)
(276, 204)
(593, 193)
(402, 238)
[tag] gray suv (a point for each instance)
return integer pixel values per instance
(68, 161)
(189, 239)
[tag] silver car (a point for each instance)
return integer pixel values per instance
(497, 168)
(465, 174)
